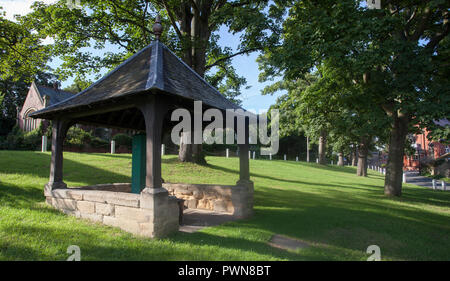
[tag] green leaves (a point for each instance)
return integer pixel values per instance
(21, 52)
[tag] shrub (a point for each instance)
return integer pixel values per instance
(32, 140)
(123, 139)
(20, 140)
(98, 142)
(77, 137)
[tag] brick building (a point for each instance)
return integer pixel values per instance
(38, 97)
(425, 149)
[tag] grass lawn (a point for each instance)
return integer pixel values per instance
(339, 214)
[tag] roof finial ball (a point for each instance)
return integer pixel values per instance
(157, 27)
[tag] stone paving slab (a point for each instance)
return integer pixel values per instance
(195, 219)
(286, 243)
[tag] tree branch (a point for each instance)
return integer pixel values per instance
(440, 35)
(422, 25)
(172, 20)
(217, 62)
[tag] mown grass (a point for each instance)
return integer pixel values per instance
(330, 208)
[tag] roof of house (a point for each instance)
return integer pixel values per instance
(56, 95)
(153, 67)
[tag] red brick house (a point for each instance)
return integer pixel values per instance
(425, 149)
(38, 97)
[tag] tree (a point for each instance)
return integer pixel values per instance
(397, 54)
(295, 116)
(192, 32)
(22, 59)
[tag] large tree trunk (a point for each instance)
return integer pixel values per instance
(185, 152)
(196, 26)
(341, 159)
(394, 167)
(323, 147)
(363, 150)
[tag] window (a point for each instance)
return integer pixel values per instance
(29, 123)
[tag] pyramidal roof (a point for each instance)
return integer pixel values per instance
(153, 67)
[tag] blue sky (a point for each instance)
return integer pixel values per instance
(245, 65)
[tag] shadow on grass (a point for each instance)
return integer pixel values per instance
(354, 223)
(97, 244)
(37, 164)
(334, 218)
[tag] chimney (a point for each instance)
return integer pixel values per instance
(46, 101)
(55, 85)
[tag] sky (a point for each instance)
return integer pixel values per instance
(245, 65)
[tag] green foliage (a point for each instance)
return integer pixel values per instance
(20, 140)
(77, 137)
(124, 27)
(22, 54)
(123, 139)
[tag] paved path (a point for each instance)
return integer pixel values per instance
(194, 219)
(415, 178)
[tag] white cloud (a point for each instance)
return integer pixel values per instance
(19, 7)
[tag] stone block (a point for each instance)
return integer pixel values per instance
(48, 200)
(146, 229)
(204, 204)
(197, 194)
(104, 209)
(191, 203)
(122, 199)
(124, 224)
(153, 198)
(94, 196)
(67, 204)
(66, 193)
(220, 206)
(47, 191)
(136, 214)
(86, 207)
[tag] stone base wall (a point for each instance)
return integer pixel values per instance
(236, 199)
(148, 214)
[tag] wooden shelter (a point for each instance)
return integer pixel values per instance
(139, 94)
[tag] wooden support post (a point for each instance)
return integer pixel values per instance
(59, 130)
(244, 167)
(138, 163)
(154, 110)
